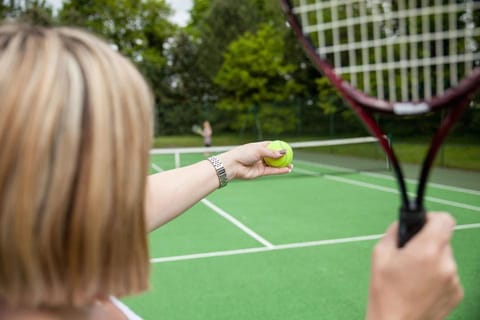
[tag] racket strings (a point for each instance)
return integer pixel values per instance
(395, 50)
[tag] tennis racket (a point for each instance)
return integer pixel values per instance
(197, 129)
(404, 58)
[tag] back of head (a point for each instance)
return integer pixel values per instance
(75, 130)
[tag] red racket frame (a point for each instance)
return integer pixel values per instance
(455, 100)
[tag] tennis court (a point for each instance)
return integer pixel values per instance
(296, 246)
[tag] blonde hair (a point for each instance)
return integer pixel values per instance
(75, 130)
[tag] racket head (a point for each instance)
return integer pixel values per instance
(402, 57)
(399, 57)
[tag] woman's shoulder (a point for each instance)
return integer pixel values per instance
(112, 309)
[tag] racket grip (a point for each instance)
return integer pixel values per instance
(412, 219)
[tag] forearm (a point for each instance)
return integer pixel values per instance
(170, 193)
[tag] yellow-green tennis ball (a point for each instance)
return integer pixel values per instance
(283, 161)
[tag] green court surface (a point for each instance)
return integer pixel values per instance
(296, 246)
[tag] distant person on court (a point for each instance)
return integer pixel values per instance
(76, 202)
(207, 134)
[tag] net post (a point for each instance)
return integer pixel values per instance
(177, 159)
(387, 161)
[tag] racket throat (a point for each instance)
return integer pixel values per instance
(412, 219)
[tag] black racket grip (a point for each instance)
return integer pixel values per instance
(411, 220)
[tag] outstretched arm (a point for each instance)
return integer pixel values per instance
(169, 193)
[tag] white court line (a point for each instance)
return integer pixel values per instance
(389, 177)
(229, 217)
(128, 313)
(390, 190)
(285, 246)
(157, 168)
(237, 223)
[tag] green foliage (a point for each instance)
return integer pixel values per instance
(222, 23)
(197, 52)
(329, 100)
(199, 10)
(216, 23)
(470, 122)
(236, 64)
(35, 12)
(137, 28)
(255, 74)
(133, 26)
(341, 117)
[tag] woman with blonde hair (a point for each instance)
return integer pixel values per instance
(75, 134)
(75, 199)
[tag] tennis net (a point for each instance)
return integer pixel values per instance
(360, 153)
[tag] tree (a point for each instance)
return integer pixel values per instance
(335, 108)
(191, 93)
(138, 29)
(257, 80)
(197, 13)
(132, 26)
(197, 52)
(218, 22)
(35, 12)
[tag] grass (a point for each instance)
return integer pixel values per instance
(453, 154)
(460, 156)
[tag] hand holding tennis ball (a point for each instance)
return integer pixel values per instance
(283, 161)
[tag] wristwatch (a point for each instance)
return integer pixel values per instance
(220, 169)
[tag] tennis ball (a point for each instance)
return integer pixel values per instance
(285, 160)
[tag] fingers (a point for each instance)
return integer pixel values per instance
(390, 237)
(421, 277)
(247, 161)
(265, 152)
(438, 230)
(273, 171)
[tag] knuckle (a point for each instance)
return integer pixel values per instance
(445, 218)
(456, 296)
(429, 254)
(450, 270)
(379, 251)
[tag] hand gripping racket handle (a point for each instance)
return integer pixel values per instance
(412, 219)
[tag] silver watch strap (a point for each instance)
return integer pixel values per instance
(220, 169)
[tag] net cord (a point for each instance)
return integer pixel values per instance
(177, 152)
